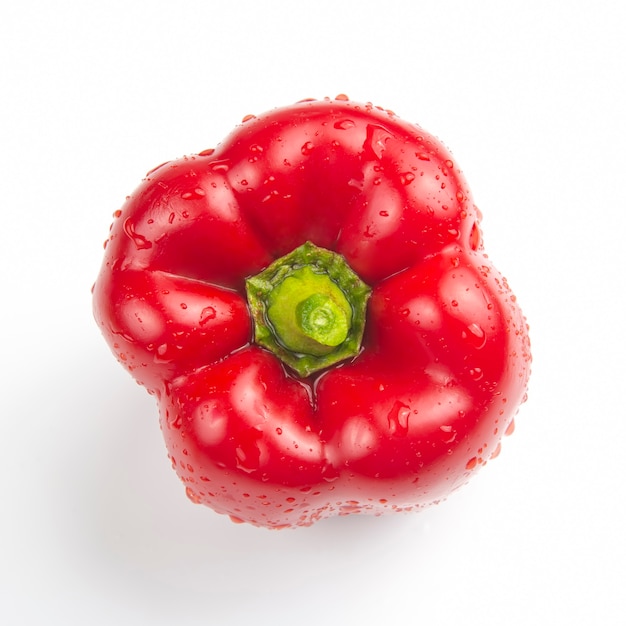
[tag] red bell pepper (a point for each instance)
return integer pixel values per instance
(312, 307)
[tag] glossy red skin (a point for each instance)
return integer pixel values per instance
(445, 359)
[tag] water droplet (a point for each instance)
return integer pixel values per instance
(175, 421)
(422, 156)
(476, 373)
(207, 152)
(248, 456)
(475, 239)
(496, 452)
(139, 240)
(352, 506)
(307, 148)
(449, 435)
(162, 353)
(376, 139)
(475, 335)
(344, 124)
(194, 194)
(407, 178)
(510, 428)
(208, 313)
(398, 419)
(471, 464)
(342, 96)
(247, 118)
(154, 169)
(220, 166)
(192, 495)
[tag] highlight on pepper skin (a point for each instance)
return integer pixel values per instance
(312, 307)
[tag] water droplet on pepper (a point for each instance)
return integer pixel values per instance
(248, 453)
(139, 240)
(475, 335)
(222, 165)
(377, 137)
(193, 496)
(208, 313)
(398, 419)
(476, 373)
(475, 239)
(194, 194)
(344, 124)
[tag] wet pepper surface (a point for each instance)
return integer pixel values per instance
(312, 307)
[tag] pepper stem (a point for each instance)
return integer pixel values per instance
(323, 320)
(309, 309)
(309, 313)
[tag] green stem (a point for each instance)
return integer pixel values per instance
(308, 309)
(323, 320)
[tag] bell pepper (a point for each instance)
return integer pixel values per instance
(312, 307)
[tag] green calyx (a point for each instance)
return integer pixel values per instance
(308, 308)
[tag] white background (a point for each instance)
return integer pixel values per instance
(528, 95)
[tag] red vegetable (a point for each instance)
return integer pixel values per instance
(311, 305)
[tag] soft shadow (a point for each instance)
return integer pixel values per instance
(124, 520)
